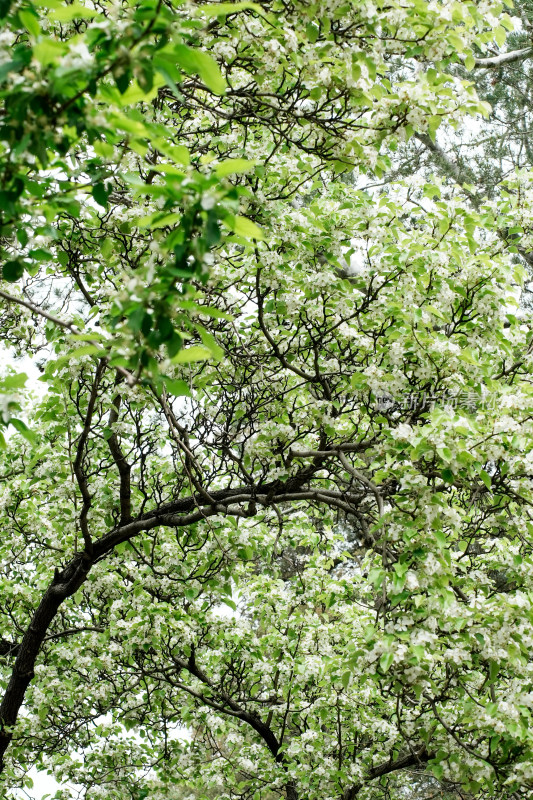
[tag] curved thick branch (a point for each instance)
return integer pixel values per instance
(179, 513)
(504, 58)
(64, 584)
(414, 759)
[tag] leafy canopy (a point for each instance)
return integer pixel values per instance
(266, 530)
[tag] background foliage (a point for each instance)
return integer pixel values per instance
(267, 528)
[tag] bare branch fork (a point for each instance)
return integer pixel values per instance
(226, 704)
(355, 473)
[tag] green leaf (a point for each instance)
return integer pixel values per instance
(66, 12)
(210, 342)
(104, 149)
(312, 32)
(192, 60)
(456, 41)
(485, 477)
(145, 78)
(500, 35)
(85, 350)
(212, 229)
(445, 454)
(100, 194)
(433, 123)
(40, 254)
(135, 93)
(134, 126)
(177, 388)
(13, 270)
(79, 352)
(174, 344)
(170, 80)
(244, 227)
(223, 9)
(484, 108)
(194, 353)
(122, 78)
(385, 661)
(30, 22)
(13, 382)
(180, 153)
(136, 319)
(447, 475)
(48, 51)
(23, 429)
(440, 538)
(5, 5)
(233, 166)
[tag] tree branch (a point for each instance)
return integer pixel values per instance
(123, 467)
(504, 58)
(131, 379)
(462, 178)
(450, 166)
(8, 648)
(413, 759)
(179, 513)
(78, 462)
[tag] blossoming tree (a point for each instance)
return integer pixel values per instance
(267, 529)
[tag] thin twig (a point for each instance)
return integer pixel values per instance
(131, 380)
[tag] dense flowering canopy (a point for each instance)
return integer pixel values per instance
(267, 528)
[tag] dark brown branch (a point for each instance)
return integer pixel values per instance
(235, 710)
(78, 462)
(123, 467)
(277, 352)
(8, 648)
(66, 582)
(232, 708)
(414, 759)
